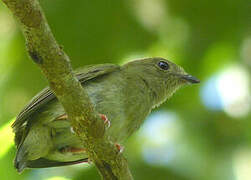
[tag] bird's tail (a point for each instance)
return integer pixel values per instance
(20, 160)
(35, 145)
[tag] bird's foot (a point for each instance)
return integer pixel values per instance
(62, 117)
(89, 161)
(102, 116)
(119, 147)
(105, 119)
(72, 130)
(72, 150)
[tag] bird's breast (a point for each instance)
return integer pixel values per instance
(125, 104)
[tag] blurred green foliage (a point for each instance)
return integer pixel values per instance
(202, 133)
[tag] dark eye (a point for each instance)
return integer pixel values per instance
(163, 65)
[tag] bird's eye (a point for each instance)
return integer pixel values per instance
(163, 65)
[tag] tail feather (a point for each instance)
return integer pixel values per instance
(20, 161)
(20, 165)
(45, 163)
(37, 143)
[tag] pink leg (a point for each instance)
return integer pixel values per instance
(105, 119)
(62, 117)
(72, 150)
(89, 161)
(119, 147)
(102, 116)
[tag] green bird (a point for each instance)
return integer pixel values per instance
(124, 95)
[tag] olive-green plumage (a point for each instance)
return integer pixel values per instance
(125, 94)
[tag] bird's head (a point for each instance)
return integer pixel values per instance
(162, 76)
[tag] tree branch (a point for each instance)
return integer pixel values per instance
(55, 65)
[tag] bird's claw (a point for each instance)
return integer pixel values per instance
(72, 150)
(119, 147)
(89, 161)
(62, 117)
(72, 130)
(105, 119)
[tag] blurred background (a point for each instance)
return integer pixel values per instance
(202, 133)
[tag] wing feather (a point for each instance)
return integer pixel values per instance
(84, 74)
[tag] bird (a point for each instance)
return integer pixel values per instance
(123, 96)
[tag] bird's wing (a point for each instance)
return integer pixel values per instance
(46, 95)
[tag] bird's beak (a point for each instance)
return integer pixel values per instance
(190, 79)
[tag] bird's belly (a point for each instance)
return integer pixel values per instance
(125, 118)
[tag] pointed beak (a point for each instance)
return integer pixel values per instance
(190, 79)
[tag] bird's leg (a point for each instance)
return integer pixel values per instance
(119, 147)
(89, 161)
(72, 150)
(62, 117)
(105, 119)
(102, 116)
(72, 130)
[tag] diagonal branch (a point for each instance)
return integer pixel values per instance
(55, 65)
